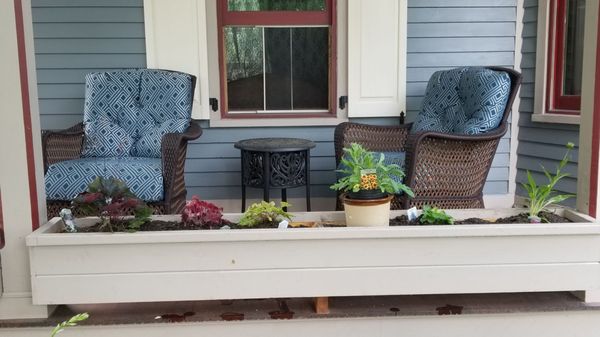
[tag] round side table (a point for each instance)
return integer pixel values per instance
(275, 163)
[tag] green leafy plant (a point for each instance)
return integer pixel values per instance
(112, 201)
(542, 196)
(356, 161)
(69, 323)
(435, 216)
(264, 213)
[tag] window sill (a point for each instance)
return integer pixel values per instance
(217, 122)
(555, 118)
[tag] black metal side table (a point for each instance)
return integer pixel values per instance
(275, 163)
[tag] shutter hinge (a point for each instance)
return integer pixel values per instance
(343, 102)
(214, 103)
(402, 115)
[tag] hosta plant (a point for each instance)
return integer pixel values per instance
(435, 216)
(199, 213)
(362, 171)
(264, 213)
(112, 201)
(542, 196)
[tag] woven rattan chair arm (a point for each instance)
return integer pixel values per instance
(62, 145)
(174, 150)
(372, 137)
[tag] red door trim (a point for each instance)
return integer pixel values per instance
(35, 220)
(595, 133)
(2, 241)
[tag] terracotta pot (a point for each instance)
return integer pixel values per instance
(367, 212)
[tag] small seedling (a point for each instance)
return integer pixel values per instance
(265, 213)
(69, 323)
(435, 216)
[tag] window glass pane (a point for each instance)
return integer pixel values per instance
(310, 68)
(574, 47)
(244, 64)
(275, 5)
(278, 83)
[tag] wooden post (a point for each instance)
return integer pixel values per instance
(322, 305)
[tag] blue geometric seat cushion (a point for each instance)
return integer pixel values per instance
(65, 180)
(390, 157)
(140, 101)
(149, 144)
(467, 100)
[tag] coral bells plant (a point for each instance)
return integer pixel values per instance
(199, 213)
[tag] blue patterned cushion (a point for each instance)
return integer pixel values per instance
(484, 94)
(150, 143)
(143, 176)
(389, 158)
(467, 100)
(105, 139)
(146, 103)
(166, 95)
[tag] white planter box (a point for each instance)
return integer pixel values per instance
(313, 262)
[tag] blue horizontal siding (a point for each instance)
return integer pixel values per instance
(540, 144)
(74, 37)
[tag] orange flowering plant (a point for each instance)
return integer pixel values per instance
(362, 171)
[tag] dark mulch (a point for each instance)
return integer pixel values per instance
(159, 225)
(402, 220)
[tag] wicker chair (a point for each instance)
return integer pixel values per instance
(68, 144)
(445, 170)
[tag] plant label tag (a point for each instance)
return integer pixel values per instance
(367, 172)
(412, 214)
(283, 224)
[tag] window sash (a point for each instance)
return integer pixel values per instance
(278, 19)
(556, 101)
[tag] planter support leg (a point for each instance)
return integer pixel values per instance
(322, 305)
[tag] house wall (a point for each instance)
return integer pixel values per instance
(540, 143)
(76, 37)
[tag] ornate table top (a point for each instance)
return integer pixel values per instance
(274, 144)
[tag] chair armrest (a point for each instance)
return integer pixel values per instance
(173, 151)
(448, 165)
(62, 145)
(372, 137)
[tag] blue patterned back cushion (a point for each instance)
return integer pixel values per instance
(105, 139)
(468, 100)
(146, 103)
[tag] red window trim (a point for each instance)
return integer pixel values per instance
(556, 102)
(279, 18)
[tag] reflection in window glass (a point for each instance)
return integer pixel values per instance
(275, 5)
(295, 75)
(574, 47)
(244, 63)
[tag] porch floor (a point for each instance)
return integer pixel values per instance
(302, 308)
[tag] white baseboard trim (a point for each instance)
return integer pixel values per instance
(20, 306)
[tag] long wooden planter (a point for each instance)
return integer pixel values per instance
(314, 262)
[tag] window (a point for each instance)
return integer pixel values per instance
(277, 58)
(565, 50)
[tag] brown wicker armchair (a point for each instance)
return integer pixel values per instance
(445, 170)
(68, 144)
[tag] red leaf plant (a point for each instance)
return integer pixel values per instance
(201, 213)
